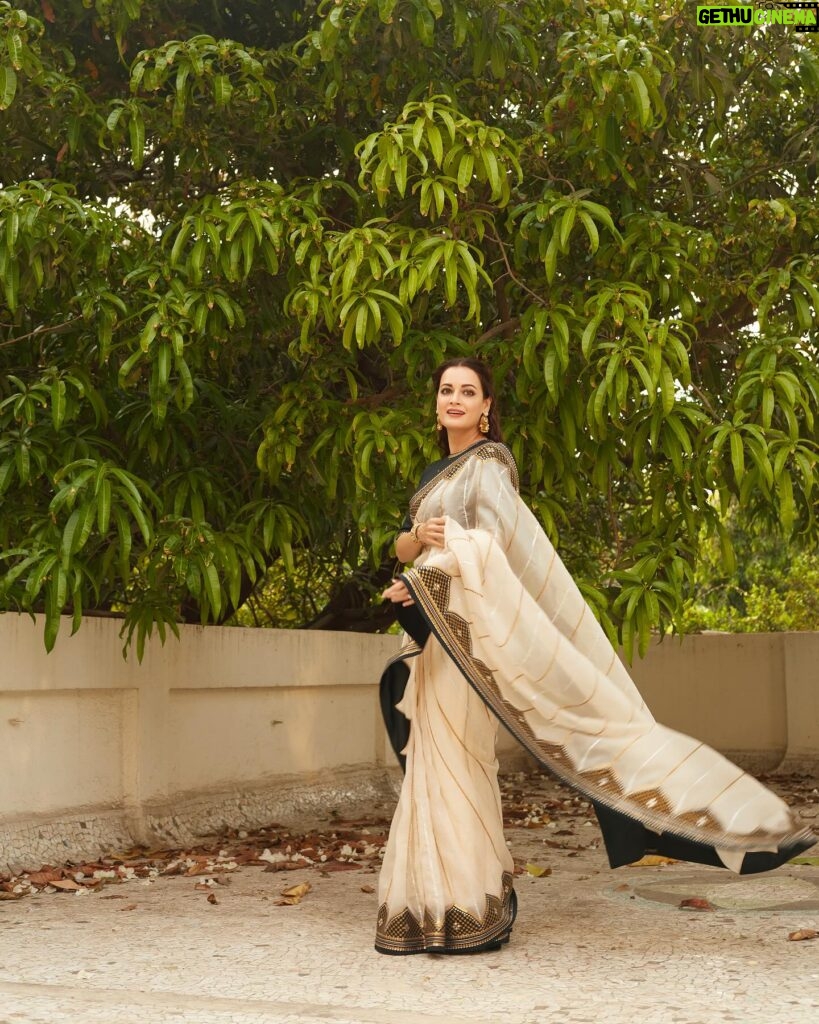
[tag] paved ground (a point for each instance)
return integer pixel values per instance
(590, 945)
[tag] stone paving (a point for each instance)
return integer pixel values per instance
(590, 946)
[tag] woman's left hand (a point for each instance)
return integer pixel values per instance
(398, 594)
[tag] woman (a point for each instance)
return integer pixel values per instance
(498, 631)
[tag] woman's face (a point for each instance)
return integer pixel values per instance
(460, 401)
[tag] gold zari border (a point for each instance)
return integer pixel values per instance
(488, 451)
(457, 931)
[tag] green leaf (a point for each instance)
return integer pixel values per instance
(466, 168)
(436, 144)
(222, 90)
(58, 403)
(566, 225)
(550, 261)
(213, 589)
(591, 230)
(550, 372)
(787, 510)
(640, 92)
(136, 131)
(767, 406)
(8, 86)
(667, 389)
(71, 534)
(737, 456)
(104, 507)
(124, 537)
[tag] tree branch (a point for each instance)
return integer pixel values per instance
(506, 327)
(510, 273)
(57, 329)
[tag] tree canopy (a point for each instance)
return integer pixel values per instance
(235, 239)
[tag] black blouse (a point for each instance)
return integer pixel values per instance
(432, 470)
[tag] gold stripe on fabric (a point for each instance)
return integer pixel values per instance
(547, 576)
(413, 836)
(569, 707)
(465, 795)
(430, 732)
(582, 614)
(514, 529)
(515, 621)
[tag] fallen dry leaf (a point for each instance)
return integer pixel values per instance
(537, 870)
(295, 894)
(802, 934)
(200, 868)
(695, 903)
(652, 860)
(212, 899)
(297, 891)
(813, 861)
(130, 906)
(368, 888)
(45, 876)
(65, 885)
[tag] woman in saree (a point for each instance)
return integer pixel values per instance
(497, 631)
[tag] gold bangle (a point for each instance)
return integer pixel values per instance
(414, 533)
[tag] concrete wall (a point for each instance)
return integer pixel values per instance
(237, 726)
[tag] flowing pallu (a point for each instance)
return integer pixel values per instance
(499, 625)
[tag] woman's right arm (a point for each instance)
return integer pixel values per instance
(430, 535)
(407, 549)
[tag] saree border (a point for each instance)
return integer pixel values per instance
(410, 650)
(430, 588)
(457, 931)
(484, 450)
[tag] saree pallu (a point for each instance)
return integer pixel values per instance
(502, 633)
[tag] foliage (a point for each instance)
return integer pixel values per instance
(772, 588)
(234, 242)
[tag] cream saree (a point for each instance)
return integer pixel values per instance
(502, 634)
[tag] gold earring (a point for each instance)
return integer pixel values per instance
(483, 426)
(439, 426)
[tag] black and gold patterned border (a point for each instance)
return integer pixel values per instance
(410, 649)
(457, 932)
(430, 588)
(486, 450)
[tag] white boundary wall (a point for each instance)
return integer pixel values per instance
(233, 726)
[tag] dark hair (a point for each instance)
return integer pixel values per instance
(484, 375)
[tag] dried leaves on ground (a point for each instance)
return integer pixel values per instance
(343, 847)
(565, 824)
